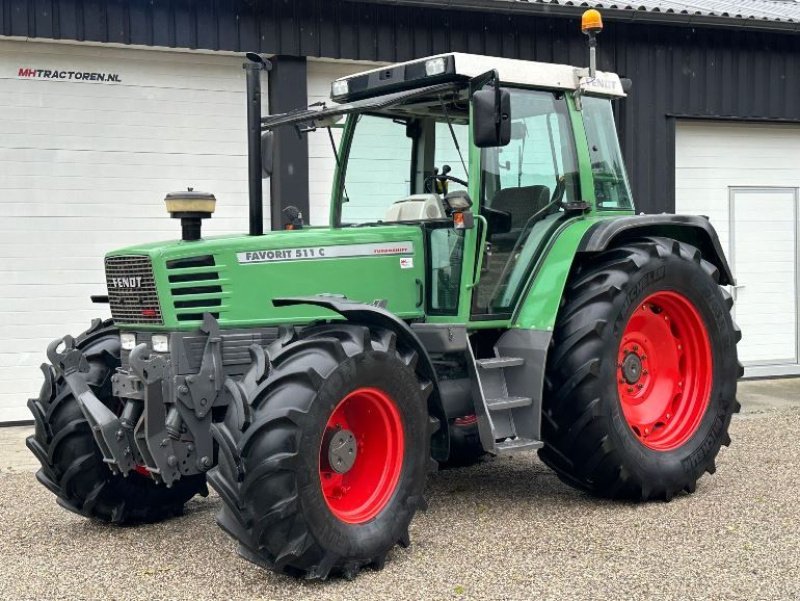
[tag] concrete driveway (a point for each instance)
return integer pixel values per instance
(504, 529)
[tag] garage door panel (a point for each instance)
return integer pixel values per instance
(155, 146)
(52, 157)
(222, 118)
(113, 184)
(82, 170)
(714, 162)
(765, 234)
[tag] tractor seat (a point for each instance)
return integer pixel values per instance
(521, 203)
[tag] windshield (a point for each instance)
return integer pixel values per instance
(611, 188)
(397, 161)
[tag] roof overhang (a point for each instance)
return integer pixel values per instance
(638, 15)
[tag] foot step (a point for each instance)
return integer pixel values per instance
(499, 362)
(509, 402)
(512, 445)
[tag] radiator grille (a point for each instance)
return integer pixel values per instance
(132, 290)
(195, 287)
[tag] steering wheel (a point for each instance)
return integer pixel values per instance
(442, 177)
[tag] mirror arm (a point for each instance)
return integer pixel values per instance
(477, 82)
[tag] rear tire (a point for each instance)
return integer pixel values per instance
(72, 465)
(283, 503)
(595, 396)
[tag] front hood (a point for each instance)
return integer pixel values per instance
(235, 278)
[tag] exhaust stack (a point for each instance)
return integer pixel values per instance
(253, 67)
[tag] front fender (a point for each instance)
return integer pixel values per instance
(372, 315)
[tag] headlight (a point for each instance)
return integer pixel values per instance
(160, 343)
(435, 66)
(339, 88)
(127, 340)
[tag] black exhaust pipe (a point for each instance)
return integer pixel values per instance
(253, 66)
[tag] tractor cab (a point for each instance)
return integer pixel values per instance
(484, 154)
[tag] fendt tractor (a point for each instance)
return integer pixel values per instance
(484, 287)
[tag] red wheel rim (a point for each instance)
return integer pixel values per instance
(362, 491)
(664, 371)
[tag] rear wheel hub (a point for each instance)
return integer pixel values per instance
(632, 368)
(664, 371)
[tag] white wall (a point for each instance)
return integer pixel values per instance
(84, 167)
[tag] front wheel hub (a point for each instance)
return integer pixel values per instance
(342, 451)
(361, 455)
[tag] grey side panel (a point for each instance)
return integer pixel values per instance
(692, 229)
(532, 346)
(441, 338)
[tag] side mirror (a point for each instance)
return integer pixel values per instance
(491, 117)
(267, 142)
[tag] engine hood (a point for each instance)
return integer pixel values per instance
(235, 278)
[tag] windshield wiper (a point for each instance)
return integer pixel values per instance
(453, 135)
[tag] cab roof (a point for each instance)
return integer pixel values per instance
(460, 66)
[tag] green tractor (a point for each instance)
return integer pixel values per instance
(484, 287)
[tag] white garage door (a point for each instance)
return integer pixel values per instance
(91, 139)
(746, 177)
(321, 161)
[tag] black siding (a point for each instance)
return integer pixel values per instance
(678, 71)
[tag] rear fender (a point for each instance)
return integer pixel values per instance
(691, 229)
(372, 315)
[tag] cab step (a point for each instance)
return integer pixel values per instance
(513, 445)
(499, 362)
(509, 402)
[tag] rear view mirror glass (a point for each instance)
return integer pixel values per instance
(491, 117)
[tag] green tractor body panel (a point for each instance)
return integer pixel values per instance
(248, 272)
(539, 308)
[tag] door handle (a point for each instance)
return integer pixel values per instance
(420, 292)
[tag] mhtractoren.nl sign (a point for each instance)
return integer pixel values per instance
(65, 74)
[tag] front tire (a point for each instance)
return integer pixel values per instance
(324, 451)
(641, 379)
(72, 465)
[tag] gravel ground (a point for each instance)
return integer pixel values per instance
(505, 529)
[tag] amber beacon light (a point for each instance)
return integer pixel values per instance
(592, 22)
(591, 25)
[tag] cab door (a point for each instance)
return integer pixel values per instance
(523, 187)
